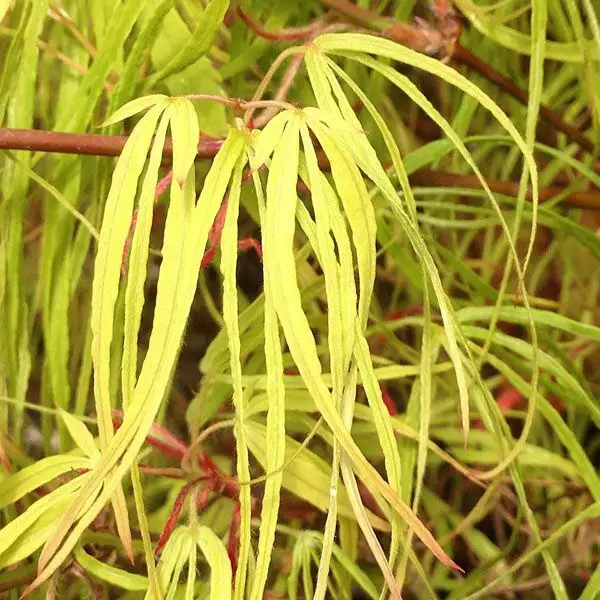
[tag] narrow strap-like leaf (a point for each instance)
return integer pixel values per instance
(105, 286)
(133, 108)
(336, 336)
(358, 209)
(220, 566)
(80, 434)
(199, 43)
(115, 226)
(231, 318)
(176, 287)
(136, 269)
(186, 134)
(37, 475)
(279, 234)
(275, 424)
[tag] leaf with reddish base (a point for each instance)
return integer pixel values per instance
(162, 185)
(215, 239)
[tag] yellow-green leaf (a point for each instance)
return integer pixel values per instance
(134, 107)
(307, 476)
(220, 565)
(80, 434)
(186, 134)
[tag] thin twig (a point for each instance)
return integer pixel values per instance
(468, 58)
(306, 34)
(431, 178)
(60, 15)
(292, 34)
(260, 90)
(423, 39)
(67, 60)
(282, 92)
(238, 103)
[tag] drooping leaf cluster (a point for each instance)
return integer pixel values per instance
(334, 205)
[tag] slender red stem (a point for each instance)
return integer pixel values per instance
(289, 34)
(173, 517)
(234, 530)
(389, 402)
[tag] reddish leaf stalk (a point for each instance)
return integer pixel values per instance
(204, 495)
(163, 447)
(214, 236)
(159, 437)
(162, 185)
(170, 472)
(234, 532)
(173, 517)
(389, 402)
(227, 485)
(251, 244)
(291, 34)
(216, 233)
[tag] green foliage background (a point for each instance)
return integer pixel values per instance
(292, 365)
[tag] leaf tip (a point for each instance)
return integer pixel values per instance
(457, 567)
(30, 588)
(465, 430)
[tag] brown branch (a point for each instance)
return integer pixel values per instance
(84, 143)
(466, 57)
(112, 145)
(422, 39)
(430, 178)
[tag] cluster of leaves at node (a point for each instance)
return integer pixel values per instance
(341, 231)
